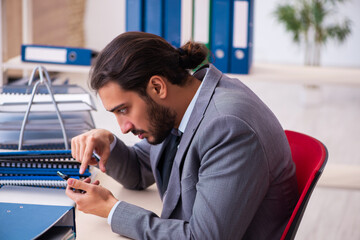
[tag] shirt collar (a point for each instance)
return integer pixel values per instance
(190, 108)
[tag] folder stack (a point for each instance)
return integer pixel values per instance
(160, 17)
(41, 117)
(38, 168)
(231, 35)
(224, 26)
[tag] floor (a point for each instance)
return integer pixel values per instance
(329, 113)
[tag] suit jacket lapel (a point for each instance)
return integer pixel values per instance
(172, 195)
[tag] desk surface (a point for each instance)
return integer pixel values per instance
(93, 227)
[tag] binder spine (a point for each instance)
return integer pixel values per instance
(221, 25)
(153, 17)
(135, 15)
(56, 55)
(201, 21)
(241, 52)
(172, 22)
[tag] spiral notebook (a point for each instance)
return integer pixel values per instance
(38, 168)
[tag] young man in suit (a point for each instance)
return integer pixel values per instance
(218, 155)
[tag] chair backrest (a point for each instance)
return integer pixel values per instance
(310, 157)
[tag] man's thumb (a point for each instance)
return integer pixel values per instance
(77, 184)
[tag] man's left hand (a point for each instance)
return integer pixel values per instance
(95, 200)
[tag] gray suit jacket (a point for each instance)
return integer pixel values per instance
(232, 178)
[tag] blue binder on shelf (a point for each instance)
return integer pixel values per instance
(56, 54)
(220, 33)
(153, 17)
(172, 22)
(134, 15)
(242, 40)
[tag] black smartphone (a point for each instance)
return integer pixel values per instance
(62, 175)
(66, 177)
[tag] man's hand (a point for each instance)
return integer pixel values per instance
(96, 199)
(82, 148)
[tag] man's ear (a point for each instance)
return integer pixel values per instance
(156, 87)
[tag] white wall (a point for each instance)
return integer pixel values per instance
(105, 19)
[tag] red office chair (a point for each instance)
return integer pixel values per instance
(310, 157)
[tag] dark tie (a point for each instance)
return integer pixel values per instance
(167, 160)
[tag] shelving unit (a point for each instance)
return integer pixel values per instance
(16, 63)
(259, 72)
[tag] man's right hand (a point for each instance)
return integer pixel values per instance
(82, 148)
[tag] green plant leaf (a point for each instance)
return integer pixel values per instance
(339, 32)
(286, 14)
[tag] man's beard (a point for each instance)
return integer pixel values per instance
(161, 121)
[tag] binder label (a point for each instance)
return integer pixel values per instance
(240, 24)
(41, 54)
(201, 21)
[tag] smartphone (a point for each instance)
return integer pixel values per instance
(66, 177)
(62, 175)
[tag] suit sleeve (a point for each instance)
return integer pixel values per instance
(131, 165)
(232, 182)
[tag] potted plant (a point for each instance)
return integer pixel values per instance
(308, 22)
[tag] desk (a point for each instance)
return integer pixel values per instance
(90, 227)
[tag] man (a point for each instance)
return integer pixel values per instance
(218, 155)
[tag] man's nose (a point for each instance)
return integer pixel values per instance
(125, 126)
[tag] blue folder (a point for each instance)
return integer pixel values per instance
(153, 17)
(242, 41)
(172, 22)
(29, 221)
(56, 54)
(134, 15)
(221, 33)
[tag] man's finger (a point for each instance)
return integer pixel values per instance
(86, 158)
(97, 182)
(87, 180)
(73, 148)
(77, 184)
(82, 148)
(104, 156)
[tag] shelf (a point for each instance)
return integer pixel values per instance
(16, 63)
(299, 74)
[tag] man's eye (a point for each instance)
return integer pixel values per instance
(122, 110)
